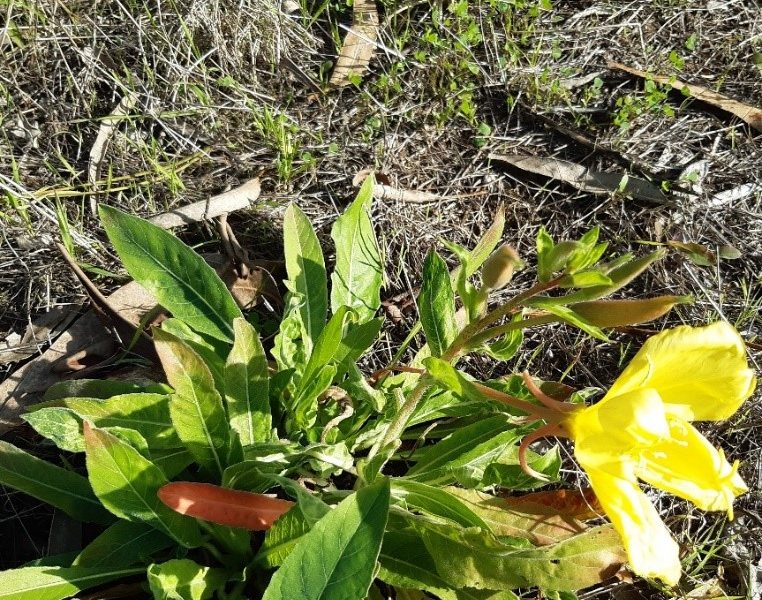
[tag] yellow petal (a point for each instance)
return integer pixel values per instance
(650, 548)
(688, 466)
(701, 373)
(617, 428)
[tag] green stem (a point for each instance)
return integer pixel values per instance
(397, 426)
(494, 332)
(399, 423)
(469, 331)
(212, 549)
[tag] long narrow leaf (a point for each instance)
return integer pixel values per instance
(148, 414)
(234, 508)
(358, 274)
(59, 487)
(247, 386)
(179, 278)
(55, 583)
(196, 406)
(127, 484)
(436, 305)
(337, 558)
(123, 544)
(306, 269)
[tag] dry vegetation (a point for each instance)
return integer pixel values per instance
(214, 92)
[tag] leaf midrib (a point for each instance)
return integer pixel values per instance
(119, 573)
(141, 497)
(53, 488)
(222, 324)
(201, 418)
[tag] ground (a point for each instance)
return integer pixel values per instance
(215, 92)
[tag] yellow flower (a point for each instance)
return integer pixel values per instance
(641, 430)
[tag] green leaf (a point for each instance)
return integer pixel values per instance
(435, 501)
(247, 386)
(567, 315)
(467, 452)
(584, 279)
(184, 579)
(123, 544)
(60, 425)
(620, 271)
(438, 404)
(93, 388)
(212, 351)
(196, 406)
(305, 405)
(436, 304)
(356, 341)
(58, 487)
(291, 343)
(358, 274)
(326, 347)
(512, 517)
(506, 347)
(336, 560)
(281, 539)
(172, 462)
(180, 279)
(507, 473)
(53, 560)
(486, 244)
(56, 583)
(126, 483)
(449, 378)
(475, 558)
(406, 563)
(361, 392)
(306, 270)
(562, 255)
(148, 414)
(312, 507)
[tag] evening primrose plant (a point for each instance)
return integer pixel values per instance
(279, 469)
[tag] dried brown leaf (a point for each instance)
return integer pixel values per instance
(38, 333)
(358, 46)
(85, 342)
(106, 130)
(232, 200)
(748, 114)
(382, 191)
(584, 179)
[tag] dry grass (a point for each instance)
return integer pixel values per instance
(226, 90)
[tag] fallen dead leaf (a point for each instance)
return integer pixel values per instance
(38, 333)
(382, 191)
(359, 44)
(584, 179)
(735, 194)
(749, 114)
(123, 324)
(86, 338)
(702, 255)
(227, 202)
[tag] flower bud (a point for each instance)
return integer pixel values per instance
(498, 268)
(617, 313)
